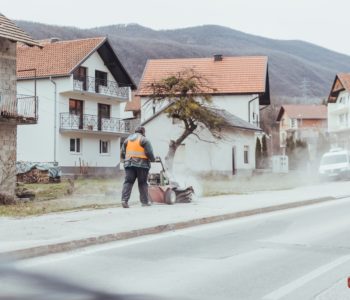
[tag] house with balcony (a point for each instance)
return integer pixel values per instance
(302, 122)
(15, 109)
(239, 88)
(83, 88)
(338, 104)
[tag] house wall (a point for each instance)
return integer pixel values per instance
(36, 143)
(237, 105)
(339, 113)
(307, 129)
(198, 156)
(95, 62)
(8, 131)
(339, 120)
(313, 123)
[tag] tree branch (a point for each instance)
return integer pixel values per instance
(203, 140)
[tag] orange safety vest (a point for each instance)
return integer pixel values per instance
(134, 149)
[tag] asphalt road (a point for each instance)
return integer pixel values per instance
(301, 253)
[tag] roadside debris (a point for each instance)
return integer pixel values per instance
(28, 172)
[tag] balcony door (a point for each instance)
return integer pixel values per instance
(100, 80)
(80, 75)
(76, 111)
(104, 116)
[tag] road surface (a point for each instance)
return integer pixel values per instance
(301, 253)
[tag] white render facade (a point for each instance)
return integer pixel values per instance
(88, 140)
(339, 113)
(339, 120)
(245, 107)
(234, 154)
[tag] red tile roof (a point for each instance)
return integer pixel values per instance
(231, 75)
(345, 80)
(55, 59)
(134, 104)
(303, 111)
(9, 30)
(340, 83)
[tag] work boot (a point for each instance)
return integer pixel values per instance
(125, 204)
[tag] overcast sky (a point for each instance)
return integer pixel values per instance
(323, 22)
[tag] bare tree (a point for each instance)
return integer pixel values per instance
(188, 98)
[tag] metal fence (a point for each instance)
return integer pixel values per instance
(94, 123)
(18, 106)
(100, 86)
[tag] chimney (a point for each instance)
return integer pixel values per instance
(217, 57)
(54, 40)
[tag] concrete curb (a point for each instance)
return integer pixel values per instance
(107, 238)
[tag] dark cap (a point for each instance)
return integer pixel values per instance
(140, 129)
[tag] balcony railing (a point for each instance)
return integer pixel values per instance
(19, 107)
(100, 86)
(92, 123)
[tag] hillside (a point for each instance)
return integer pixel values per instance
(299, 71)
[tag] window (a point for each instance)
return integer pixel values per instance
(76, 113)
(101, 78)
(154, 107)
(104, 147)
(246, 154)
(343, 119)
(76, 107)
(293, 123)
(74, 146)
(80, 78)
(104, 115)
(80, 73)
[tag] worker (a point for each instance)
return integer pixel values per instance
(137, 153)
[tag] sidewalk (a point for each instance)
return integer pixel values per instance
(52, 233)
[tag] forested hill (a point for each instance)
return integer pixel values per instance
(297, 69)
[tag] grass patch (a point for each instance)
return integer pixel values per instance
(48, 191)
(40, 208)
(220, 185)
(102, 193)
(54, 197)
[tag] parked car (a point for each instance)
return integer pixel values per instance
(335, 164)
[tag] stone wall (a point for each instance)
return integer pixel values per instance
(8, 135)
(8, 131)
(7, 66)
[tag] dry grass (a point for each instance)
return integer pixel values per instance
(102, 193)
(214, 186)
(55, 197)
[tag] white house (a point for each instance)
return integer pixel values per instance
(302, 122)
(241, 87)
(339, 111)
(82, 88)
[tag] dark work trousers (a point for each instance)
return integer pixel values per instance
(131, 174)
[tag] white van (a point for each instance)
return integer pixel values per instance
(335, 164)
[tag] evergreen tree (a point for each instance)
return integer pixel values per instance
(264, 151)
(258, 153)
